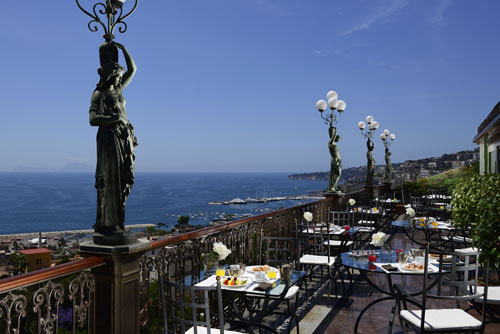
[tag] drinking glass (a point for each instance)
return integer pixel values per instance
(220, 271)
(235, 270)
(402, 258)
(372, 258)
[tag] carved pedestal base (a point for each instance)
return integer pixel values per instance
(115, 238)
(116, 286)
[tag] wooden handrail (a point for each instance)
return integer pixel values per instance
(213, 229)
(24, 280)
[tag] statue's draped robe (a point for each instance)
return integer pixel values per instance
(114, 175)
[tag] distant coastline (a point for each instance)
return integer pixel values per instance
(4, 237)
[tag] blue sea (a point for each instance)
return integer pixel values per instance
(42, 202)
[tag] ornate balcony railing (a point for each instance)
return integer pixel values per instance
(182, 255)
(50, 301)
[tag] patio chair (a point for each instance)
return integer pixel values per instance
(341, 218)
(315, 252)
(420, 205)
(366, 221)
(279, 251)
(460, 276)
(186, 309)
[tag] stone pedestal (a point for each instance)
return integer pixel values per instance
(370, 190)
(116, 286)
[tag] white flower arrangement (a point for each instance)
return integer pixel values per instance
(378, 239)
(351, 201)
(410, 212)
(220, 250)
(308, 216)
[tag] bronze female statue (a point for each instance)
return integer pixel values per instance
(370, 161)
(116, 142)
(388, 165)
(335, 161)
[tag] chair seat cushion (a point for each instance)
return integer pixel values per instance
(366, 222)
(456, 238)
(203, 330)
(337, 243)
(317, 259)
(442, 319)
(493, 295)
(366, 229)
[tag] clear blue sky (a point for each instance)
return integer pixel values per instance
(231, 85)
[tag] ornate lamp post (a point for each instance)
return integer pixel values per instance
(113, 11)
(331, 120)
(387, 139)
(117, 282)
(116, 141)
(368, 134)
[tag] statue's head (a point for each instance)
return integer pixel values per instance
(110, 73)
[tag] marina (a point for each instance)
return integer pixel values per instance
(249, 200)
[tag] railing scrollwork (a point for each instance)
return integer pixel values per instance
(16, 303)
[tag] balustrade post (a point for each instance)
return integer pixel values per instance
(116, 286)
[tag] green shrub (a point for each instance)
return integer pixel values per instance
(476, 205)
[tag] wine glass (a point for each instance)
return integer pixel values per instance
(235, 270)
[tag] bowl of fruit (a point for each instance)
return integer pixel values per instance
(235, 282)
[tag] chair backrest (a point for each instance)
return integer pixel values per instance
(364, 217)
(184, 307)
(278, 250)
(460, 275)
(341, 218)
(312, 238)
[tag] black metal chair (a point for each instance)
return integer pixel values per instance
(186, 309)
(315, 252)
(460, 275)
(279, 251)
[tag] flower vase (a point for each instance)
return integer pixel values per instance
(211, 264)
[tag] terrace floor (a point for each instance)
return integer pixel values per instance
(342, 317)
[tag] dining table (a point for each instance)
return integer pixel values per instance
(271, 296)
(445, 231)
(385, 264)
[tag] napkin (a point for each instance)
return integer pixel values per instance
(263, 287)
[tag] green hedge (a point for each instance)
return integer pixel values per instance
(476, 205)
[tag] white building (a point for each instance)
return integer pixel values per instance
(488, 139)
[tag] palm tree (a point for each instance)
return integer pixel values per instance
(19, 263)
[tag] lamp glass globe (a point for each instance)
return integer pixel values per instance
(386, 132)
(341, 105)
(361, 125)
(332, 103)
(332, 95)
(369, 119)
(375, 124)
(321, 105)
(393, 136)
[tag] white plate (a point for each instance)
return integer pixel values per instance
(402, 268)
(249, 281)
(249, 269)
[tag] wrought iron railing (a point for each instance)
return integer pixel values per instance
(182, 255)
(50, 301)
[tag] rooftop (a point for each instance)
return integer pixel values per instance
(35, 251)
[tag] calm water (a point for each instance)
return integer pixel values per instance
(41, 202)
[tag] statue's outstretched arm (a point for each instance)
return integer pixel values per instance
(131, 67)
